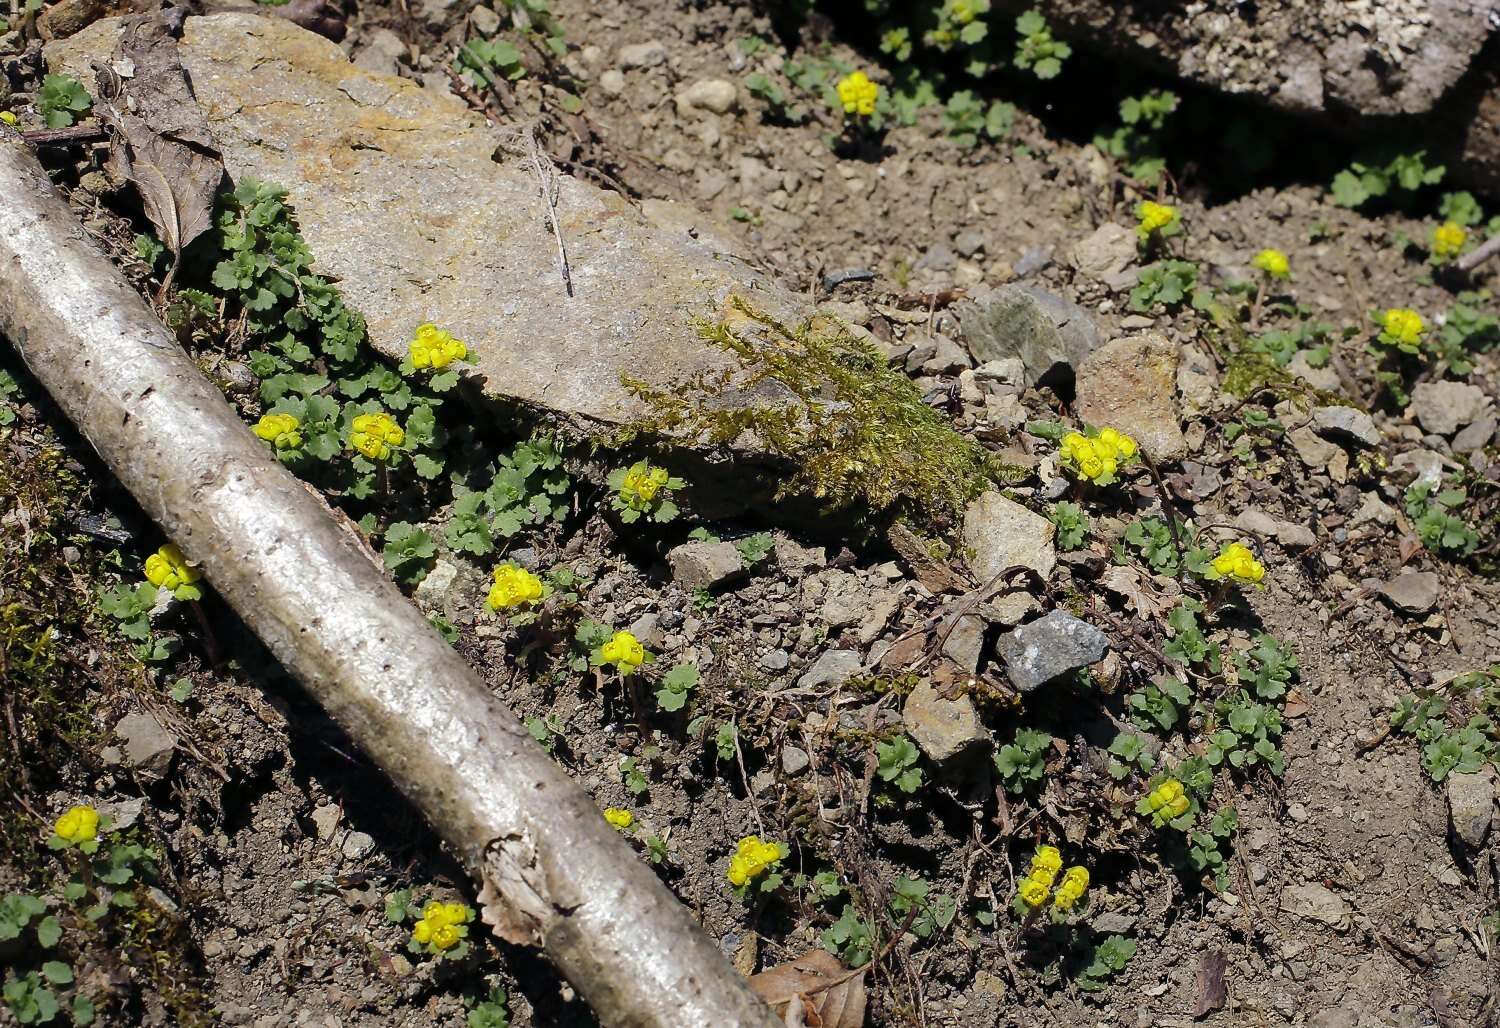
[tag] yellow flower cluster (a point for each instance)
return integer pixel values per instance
(642, 483)
(619, 818)
(1098, 458)
(1403, 327)
(374, 434)
(280, 430)
(1168, 800)
(1273, 263)
(8, 117)
(624, 651)
(168, 569)
(442, 925)
(1448, 240)
(514, 587)
(433, 347)
(752, 859)
(1236, 561)
(1037, 885)
(858, 94)
(79, 824)
(1155, 218)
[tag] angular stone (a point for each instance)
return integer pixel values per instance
(1444, 407)
(1346, 423)
(833, 667)
(1050, 335)
(965, 642)
(705, 565)
(1476, 437)
(432, 592)
(1316, 903)
(1000, 533)
(1131, 384)
(943, 728)
(642, 55)
(794, 759)
(1105, 253)
(147, 745)
(1049, 648)
(716, 95)
(403, 201)
(1415, 592)
(1324, 378)
(1471, 806)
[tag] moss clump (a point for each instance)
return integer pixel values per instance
(853, 429)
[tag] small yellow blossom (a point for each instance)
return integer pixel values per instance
(1074, 884)
(1448, 240)
(620, 818)
(280, 430)
(643, 482)
(752, 859)
(79, 824)
(1156, 219)
(441, 926)
(1237, 561)
(1045, 865)
(858, 94)
(624, 651)
(1032, 892)
(1273, 263)
(168, 569)
(1169, 800)
(1402, 327)
(433, 347)
(1098, 459)
(514, 587)
(374, 434)
(7, 117)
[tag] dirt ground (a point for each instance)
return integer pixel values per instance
(1349, 901)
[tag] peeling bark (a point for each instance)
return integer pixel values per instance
(541, 851)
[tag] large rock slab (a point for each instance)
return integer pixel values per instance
(1050, 335)
(1385, 57)
(407, 198)
(999, 533)
(1131, 384)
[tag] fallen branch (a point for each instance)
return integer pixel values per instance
(1483, 252)
(551, 871)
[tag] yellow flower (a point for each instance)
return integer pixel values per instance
(445, 936)
(624, 651)
(642, 483)
(1236, 561)
(7, 117)
(421, 932)
(752, 859)
(79, 824)
(1403, 327)
(1122, 446)
(433, 347)
(1074, 884)
(620, 818)
(1045, 864)
(1155, 218)
(1099, 458)
(168, 569)
(1169, 799)
(1448, 240)
(858, 94)
(1273, 263)
(280, 430)
(374, 434)
(441, 925)
(1032, 892)
(514, 587)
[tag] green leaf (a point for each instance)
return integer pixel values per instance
(58, 973)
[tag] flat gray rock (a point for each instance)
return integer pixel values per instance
(1346, 423)
(705, 565)
(1049, 648)
(1444, 407)
(1130, 384)
(401, 197)
(943, 728)
(1000, 533)
(148, 747)
(1050, 335)
(1471, 805)
(1415, 592)
(833, 667)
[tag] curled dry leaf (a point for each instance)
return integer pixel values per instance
(814, 990)
(1138, 590)
(159, 137)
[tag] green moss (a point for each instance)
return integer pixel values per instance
(854, 430)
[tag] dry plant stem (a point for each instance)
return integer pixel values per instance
(550, 867)
(1483, 252)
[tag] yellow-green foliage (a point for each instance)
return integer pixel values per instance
(853, 429)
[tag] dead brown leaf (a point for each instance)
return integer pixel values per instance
(159, 138)
(1296, 704)
(814, 990)
(931, 572)
(1212, 992)
(1137, 589)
